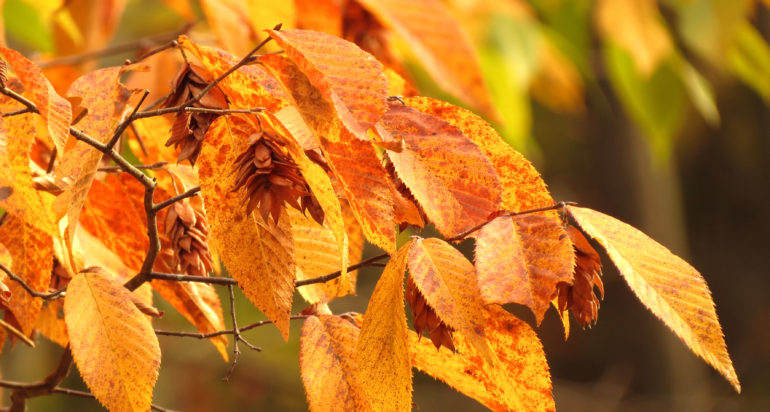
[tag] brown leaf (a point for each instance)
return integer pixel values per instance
(446, 172)
(672, 289)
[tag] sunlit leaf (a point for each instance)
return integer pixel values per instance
(672, 289)
(520, 259)
(257, 254)
(113, 343)
(327, 360)
(519, 379)
(382, 349)
(446, 172)
(440, 44)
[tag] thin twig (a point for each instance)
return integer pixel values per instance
(124, 124)
(52, 161)
(226, 331)
(138, 138)
(18, 112)
(115, 169)
(21, 99)
(557, 205)
(19, 334)
(335, 275)
(168, 202)
(118, 48)
(191, 278)
(223, 111)
(32, 292)
(22, 392)
(236, 336)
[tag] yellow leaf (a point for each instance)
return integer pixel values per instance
(31, 252)
(523, 188)
(520, 259)
(382, 350)
(518, 381)
(327, 361)
(54, 109)
(446, 172)
(257, 254)
(447, 280)
(635, 25)
(199, 304)
(672, 289)
(440, 44)
(351, 79)
(50, 325)
(113, 343)
(229, 24)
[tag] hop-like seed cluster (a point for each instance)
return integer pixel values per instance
(580, 296)
(425, 318)
(188, 129)
(187, 232)
(271, 178)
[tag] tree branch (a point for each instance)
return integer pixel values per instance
(325, 278)
(43, 295)
(116, 169)
(557, 205)
(168, 202)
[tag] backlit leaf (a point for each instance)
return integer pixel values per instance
(382, 349)
(327, 360)
(520, 259)
(31, 252)
(345, 75)
(55, 110)
(446, 172)
(441, 45)
(523, 188)
(113, 343)
(229, 22)
(447, 280)
(257, 254)
(672, 289)
(519, 379)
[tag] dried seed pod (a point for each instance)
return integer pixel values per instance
(269, 177)
(580, 296)
(188, 129)
(425, 318)
(187, 234)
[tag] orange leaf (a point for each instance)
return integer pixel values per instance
(523, 188)
(354, 162)
(382, 349)
(105, 98)
(50, 325)
(446, 172)
(320, 15)
(18, 197)
(114, 213)
(257, 255)
(440, 43)
(199, 304)
(327, 361)
(229, 24)
(55, 110)
(518, 381)
(447, 280)
(672, 289)
(31, 253)
(248, 87)
(153, 133)
(113, 343)
(520, 259)
(345, 75)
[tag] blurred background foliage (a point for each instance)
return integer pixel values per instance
(653, 111)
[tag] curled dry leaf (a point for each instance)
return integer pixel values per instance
(580, 296)
(187, 232)
(672, 289)
(425, 318)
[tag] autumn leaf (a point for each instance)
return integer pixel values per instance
(521, 259)
(382, 351)
(441, 45)
(523, 188)
(670, 288)
(345, 75)
(327, 361)
(446, 172)
(256, 254)
(50, 325)
(229, 22)
(519, 379)
(642, 33)
(31, 252)
(320, 15)
(54, 109)
(105, 98)
(447, 280)
(113, 343)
